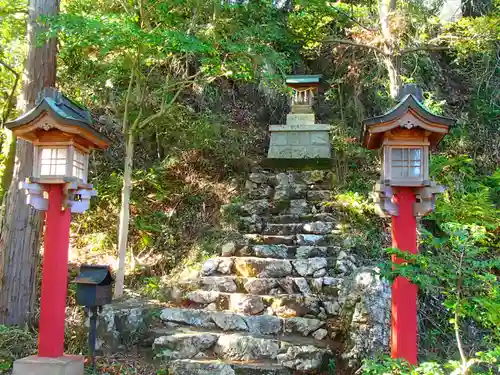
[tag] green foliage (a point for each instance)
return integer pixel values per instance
(15, 343)
(484, 363)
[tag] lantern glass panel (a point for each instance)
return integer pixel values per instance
(79, 164)
(406, 162)
(53, 161)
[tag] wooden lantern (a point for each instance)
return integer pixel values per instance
(62, 134)
(405, 134)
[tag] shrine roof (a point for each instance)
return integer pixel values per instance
(303, 79)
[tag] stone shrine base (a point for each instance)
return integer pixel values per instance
(34, 365)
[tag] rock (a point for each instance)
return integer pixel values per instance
(331, 307)
(219, 283)
(304, 326)
(307, 267)
(187, 345)
(304, 252)
(203, 296)
(211, 307)
(287, 285)
(368, 298)
(318, 227)
(200, 368)
(263, 324)
(282, 193)
(320, 273)
(210, 266)
(284, 311)
(271, 251)
(197, 318)
(269, 240)
(319, 195)
(256, 267)
(228, 249)
(246, 304)
(313, 177)
(119, 322)
(284, 179)
(317, 285)
(225, 266)
(302, 285)
(257, 207)
(246, 348)
(332, 281)
(298, 207)
(259, 192)
(258, 178)
(259, 286)
(320, 334)
(302, 358)
(229, 322)
(310, 239)
(298, 191)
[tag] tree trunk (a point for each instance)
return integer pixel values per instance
(392, 60)
(20, 224)
(124, 214)
(393, 66)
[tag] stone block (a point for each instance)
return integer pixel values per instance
(34, 365)
(300, 118)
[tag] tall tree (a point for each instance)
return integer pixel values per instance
(20, 224)
(164, 49)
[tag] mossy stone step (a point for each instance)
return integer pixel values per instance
(265, 286)
(258, 325)
(214, 366)
(282, 251)
(299, 239)
(283, 305)
(270, 267)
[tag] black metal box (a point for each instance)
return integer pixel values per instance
(94, 285)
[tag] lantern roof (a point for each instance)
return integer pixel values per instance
(304, 80)
(69, 117)
(408, 113)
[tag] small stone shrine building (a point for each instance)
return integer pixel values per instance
(300, 138)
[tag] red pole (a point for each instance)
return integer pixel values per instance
(404, 294)
(54, 276)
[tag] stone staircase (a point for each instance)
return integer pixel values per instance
(284, 298)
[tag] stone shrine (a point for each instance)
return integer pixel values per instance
(300, 137)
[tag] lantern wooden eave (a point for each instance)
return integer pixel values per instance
(58, 120)
(409, 113)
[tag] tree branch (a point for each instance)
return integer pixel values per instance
(354, 20)
(8, 105)
(351, 43)
(425, 47)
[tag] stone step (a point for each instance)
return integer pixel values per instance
(281, 251)
(290, 219)
(188, 342)
(311, 204)
(294, 327)
(317, 227)
(300, 239)
(246, 266)
(214, 366)
(283, 305)
(268, 286)
(183, 343)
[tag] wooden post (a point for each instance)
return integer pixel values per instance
(404, 294)
(54, 275)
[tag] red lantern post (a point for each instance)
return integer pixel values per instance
(63, 136)
(404, 193)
